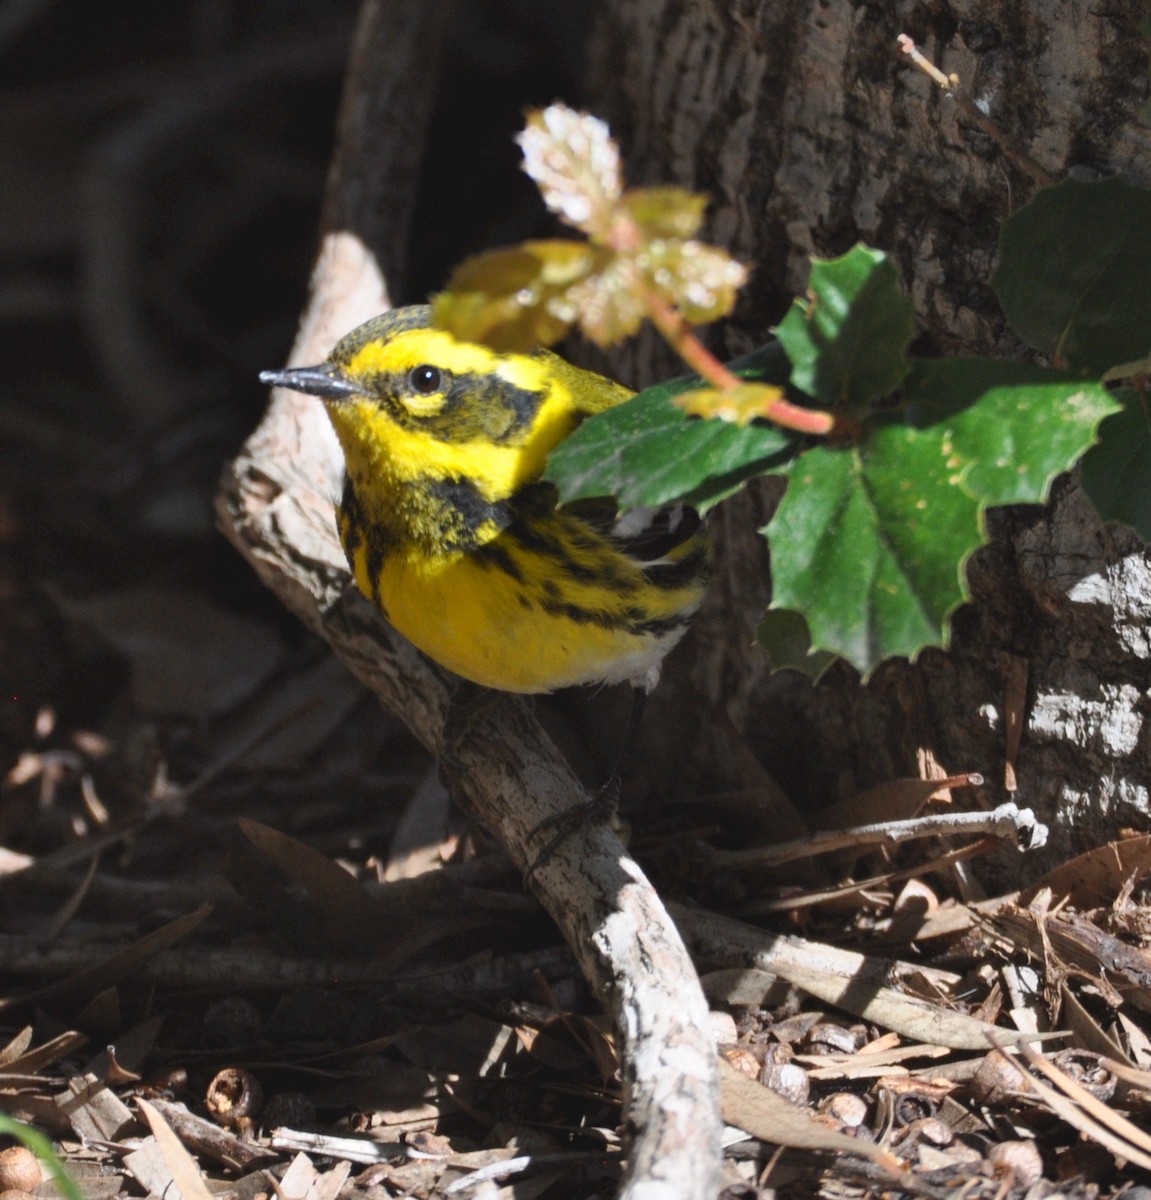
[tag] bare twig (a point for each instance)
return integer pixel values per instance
(1007, 821)
(207, 967)
(951, 85)
(859, 984)
(275, 506)
(858, 887)
(347, 1149)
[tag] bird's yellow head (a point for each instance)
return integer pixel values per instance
(416, 410)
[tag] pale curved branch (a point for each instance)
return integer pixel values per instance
(275, 505)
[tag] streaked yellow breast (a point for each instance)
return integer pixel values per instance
(479, 622)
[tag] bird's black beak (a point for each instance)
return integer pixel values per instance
(324, 381)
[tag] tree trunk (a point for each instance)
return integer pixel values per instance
(811, 131)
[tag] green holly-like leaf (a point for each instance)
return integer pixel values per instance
(1008, 428)
(848, 340)
(1073, 270)
(518, 298)
(869, 544)
(649, 452)
(1116, 473)
(785, 636)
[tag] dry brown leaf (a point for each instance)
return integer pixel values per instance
(16, 1048)
(851, 895)
(1138, 1042)
(1089, 1034)
(327, 1184)
(744, 987)
(1132, 1076)
(420, 838)
(351, 914)
(857, 983)
(863, 1065)
(934, 1087)
(850, 1071)
(894, 800)
(768, 1116)
(750, 788)
(299, 1179)
(1094, 879)
(946, 921)
(290, 719)
(51, 1051)
(148, 1166)
(914, 1018)
(71, 905)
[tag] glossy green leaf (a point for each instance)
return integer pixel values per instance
(869, 544)
(1073, 274)
(848, 340)
(1116, 473)
(1008, 429)
(784, 634)
(649, 452)
(517, 298)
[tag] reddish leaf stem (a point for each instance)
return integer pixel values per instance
(682, 339)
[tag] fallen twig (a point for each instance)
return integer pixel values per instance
(1006, 821)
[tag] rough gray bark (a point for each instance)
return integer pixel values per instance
(812, 131)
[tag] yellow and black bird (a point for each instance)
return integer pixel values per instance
(451, 532)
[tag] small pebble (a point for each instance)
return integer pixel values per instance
(722, 1027)
(827, 1038)
(998, 1080)
(846, 1107)
(1021, 1158)
(742, 1059)
(931, 1129)
(788, 1079)
(19, 1170)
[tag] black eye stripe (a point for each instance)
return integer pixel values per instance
(425, 379)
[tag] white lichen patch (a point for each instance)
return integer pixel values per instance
(1109, 725)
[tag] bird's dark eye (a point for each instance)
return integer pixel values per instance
(425, 379)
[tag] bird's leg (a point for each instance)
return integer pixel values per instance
(606, 799)
(601, 807)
